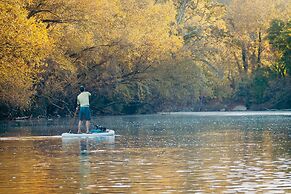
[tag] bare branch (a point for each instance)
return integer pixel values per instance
(34, 12)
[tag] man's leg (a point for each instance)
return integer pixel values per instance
(88, 117)
(87, 126)
(79, 126)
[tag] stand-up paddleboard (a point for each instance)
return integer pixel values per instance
(108, 132)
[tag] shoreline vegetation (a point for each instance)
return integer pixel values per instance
(208, 113)
(143, 57)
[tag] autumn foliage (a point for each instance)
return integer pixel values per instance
(134, 56)
(24, 44)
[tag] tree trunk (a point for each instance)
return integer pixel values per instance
(238, 64)
(253, 61)
(259, 49)
(245, 58)
(182, 11)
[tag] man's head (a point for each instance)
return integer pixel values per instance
(82, 88)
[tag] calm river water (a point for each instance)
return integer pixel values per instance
(165, 153)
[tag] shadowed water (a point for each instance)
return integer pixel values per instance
(169, 153)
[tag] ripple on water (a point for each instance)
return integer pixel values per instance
(177, 155)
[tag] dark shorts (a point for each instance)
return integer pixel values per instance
(84, 114)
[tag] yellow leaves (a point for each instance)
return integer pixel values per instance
(24, 44)
(28, 39)
(254, 14)
(139, 29)
(105, 19)
(248, 23)
(123, 33)
(221, 24)
(75, 39)
(148, 28)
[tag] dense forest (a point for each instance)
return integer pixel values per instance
(145, 56)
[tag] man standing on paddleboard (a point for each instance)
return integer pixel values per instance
(83, 103)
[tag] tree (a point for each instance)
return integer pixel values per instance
(248, 22)
(103, 44)
(202, 25)
(279, 37)
(269, 86)
(24, 44)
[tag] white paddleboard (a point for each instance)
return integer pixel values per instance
(82, 135)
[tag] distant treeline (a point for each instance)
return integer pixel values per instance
(139, 57)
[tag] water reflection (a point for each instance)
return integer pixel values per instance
(156, 154)
(84, 148)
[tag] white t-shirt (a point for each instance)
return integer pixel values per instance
(83, 99)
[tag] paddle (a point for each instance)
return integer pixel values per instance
(74, 119)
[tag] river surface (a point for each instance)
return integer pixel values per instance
(237, 152)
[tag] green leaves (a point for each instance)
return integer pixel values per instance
(280, 40)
